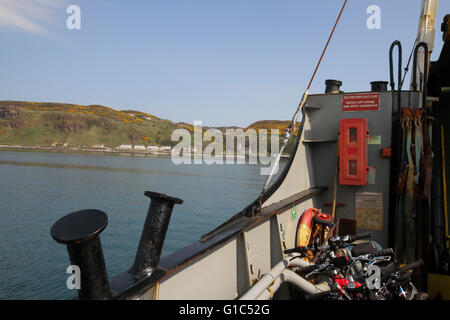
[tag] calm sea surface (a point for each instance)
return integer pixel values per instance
(36, 189)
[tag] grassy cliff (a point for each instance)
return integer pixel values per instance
(43, 124)
(32, 123)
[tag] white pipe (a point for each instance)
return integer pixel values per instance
(302, 284)
(265, 281)
(272, 281)
(269, 292)
(299, 263)
(296, 280)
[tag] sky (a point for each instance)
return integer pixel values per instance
(220, 62)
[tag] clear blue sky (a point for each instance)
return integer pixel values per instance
(223, 62)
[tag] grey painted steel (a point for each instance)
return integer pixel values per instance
(314, 164)
(324, 129)
(229, 265)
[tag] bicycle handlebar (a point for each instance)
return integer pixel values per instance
(383, 252)
(345, 240)
(360, 236)
(309, 268)
(412, 265)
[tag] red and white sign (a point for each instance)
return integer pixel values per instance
(361, 102)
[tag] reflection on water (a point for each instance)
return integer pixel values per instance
(81, 167)
(36, 189)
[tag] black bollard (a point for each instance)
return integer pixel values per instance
(379, 86)
(333, 86)
(153, 234)
(80, 231)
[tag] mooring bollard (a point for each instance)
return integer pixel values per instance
(153, 235)
(80, 231)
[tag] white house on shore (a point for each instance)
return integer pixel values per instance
(151, 147)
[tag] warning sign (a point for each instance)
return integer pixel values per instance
(361, 102)
(369, 210)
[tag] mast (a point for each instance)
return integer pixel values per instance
(425, 33)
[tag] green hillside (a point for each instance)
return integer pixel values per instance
(32, 123)
(44, 124)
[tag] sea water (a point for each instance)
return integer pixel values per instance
(38, 188)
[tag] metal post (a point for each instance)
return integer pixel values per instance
(80, 232)
(153, 235)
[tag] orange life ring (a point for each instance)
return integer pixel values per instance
(304, 227)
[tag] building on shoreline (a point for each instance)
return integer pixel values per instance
(140, 147)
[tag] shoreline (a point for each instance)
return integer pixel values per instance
(99, 151)
(83, 150)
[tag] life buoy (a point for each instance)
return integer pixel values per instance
(304, 227)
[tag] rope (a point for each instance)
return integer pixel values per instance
(299, 108)
(155, 292)
(271, 290)
(326, 46)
